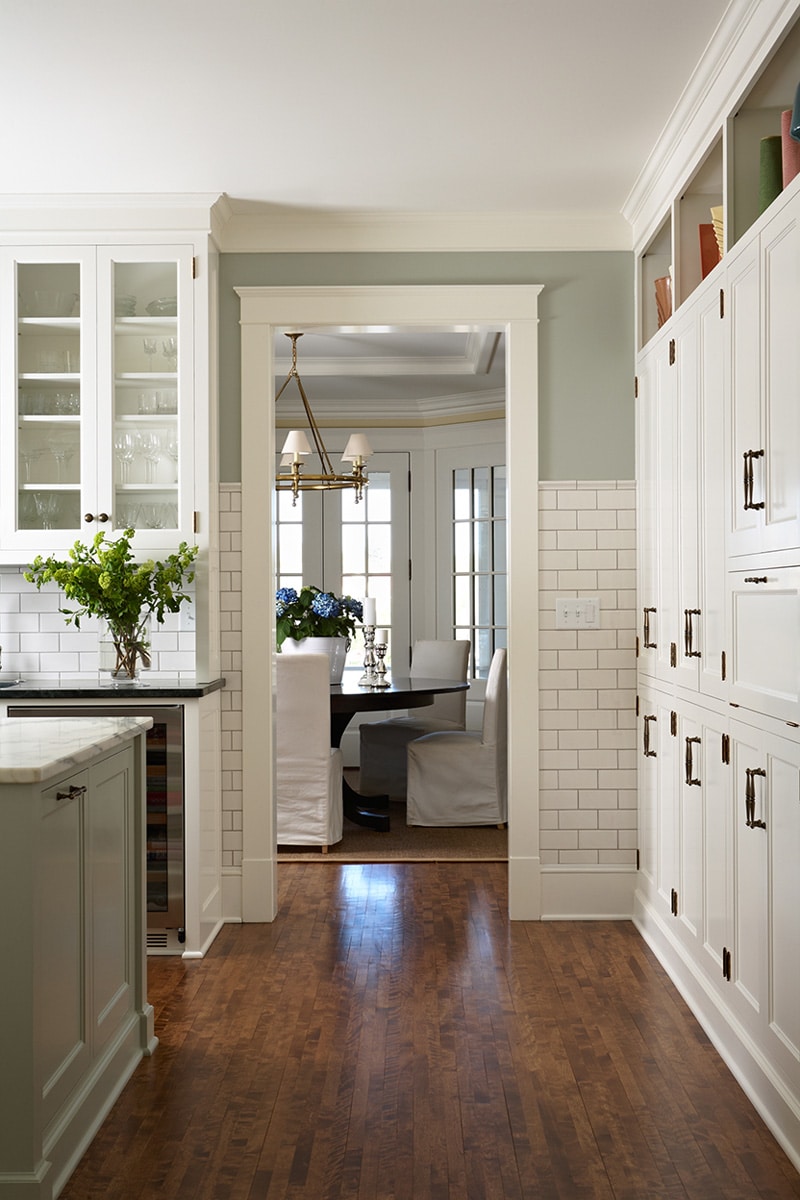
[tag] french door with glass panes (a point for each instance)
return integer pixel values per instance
(472, 559)
(356, 549)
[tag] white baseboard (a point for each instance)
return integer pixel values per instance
(232, 894)
(581, 893)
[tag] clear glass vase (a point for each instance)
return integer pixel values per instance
(125, 649)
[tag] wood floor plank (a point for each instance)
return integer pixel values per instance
(392, 1036)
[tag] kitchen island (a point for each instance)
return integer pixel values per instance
(75, 1018)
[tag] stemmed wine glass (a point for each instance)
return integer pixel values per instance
(171, 450)
(169, 348)
(46, 507)
(124, 450)
(150, 450)
(62, 449)
(29, 457)
(150, 348)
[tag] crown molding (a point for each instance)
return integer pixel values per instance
(252, 228)
(435, 410)
(80, 213)
(739, 47)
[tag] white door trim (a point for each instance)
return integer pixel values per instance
(513, 309)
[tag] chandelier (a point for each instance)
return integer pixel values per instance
(291, 477)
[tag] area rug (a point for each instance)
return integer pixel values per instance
(406, 843)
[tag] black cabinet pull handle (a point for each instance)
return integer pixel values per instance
(648, 753)
(73, 793)
(690, 780)
(756, 579)
(646, 631)
(749, 455)
(688, 633)
(750, 797)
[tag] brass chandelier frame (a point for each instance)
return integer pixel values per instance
(295, 479)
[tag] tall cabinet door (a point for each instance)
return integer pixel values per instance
(48, 396)
(780, 273)
(745, 460)
(710, 635)
(647, 503)
(687, 621)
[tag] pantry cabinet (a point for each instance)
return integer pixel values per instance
(718, 626)
(97, 398)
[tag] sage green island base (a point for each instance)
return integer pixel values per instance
(75, 1018)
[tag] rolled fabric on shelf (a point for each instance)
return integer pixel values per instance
(770, 176)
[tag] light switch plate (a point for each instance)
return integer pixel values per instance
(578, 613)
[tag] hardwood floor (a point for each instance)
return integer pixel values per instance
(393, 1035)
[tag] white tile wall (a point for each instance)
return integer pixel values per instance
(587, 689)
(38, 644)
(230, 546)
(587, 677)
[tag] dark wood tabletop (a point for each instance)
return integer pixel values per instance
(349, 698)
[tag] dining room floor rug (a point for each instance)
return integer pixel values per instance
(407, 843)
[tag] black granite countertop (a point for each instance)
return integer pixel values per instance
(90, 689)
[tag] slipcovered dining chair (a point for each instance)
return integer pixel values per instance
(461, 778)
(383, 743)
(309, 770)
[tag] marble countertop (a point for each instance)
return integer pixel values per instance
(32, 750)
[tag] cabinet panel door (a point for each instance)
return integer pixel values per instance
(718, 817)
(749, 965)
(647, 501)
(693, 744)
(688, 615)
(746, 446)
(780, 293)
(648, 795)
(48, 397)
(712, 637)
(668, 807)
(61, 1004)
(110, 850)
(765, 642)
(668, 622)
(784, 833)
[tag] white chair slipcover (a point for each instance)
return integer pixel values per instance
(383, 743)
(309, 770)
(460, 778)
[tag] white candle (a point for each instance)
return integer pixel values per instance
(381, 637)
(369, 614)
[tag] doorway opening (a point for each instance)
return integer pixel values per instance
(513, 310)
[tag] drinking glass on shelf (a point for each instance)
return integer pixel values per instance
(127, 516)
(169, 348)
(150, 450)
(46, 508)
(150, 348)
(62, 450)
(153, 516)
(29, 457)
(171, 450)
(124, 451)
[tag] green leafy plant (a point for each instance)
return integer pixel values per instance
(104, 580)
(314, 613)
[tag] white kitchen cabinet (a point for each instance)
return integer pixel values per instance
(97, 399)
(680, 413)
(764, 482)
(765, 641)
(765, 971)
(75, 1015)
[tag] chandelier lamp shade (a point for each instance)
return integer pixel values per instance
(292, 475)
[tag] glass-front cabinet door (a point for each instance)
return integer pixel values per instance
(96, 354)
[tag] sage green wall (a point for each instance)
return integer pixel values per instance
(585, 340)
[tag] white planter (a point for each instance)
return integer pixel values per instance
(334, 647)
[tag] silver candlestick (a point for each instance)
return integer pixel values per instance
(381, 681)
(370, 674)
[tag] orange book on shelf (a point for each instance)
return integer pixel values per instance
(709, 249)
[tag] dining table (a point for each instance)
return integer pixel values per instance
(351, 697)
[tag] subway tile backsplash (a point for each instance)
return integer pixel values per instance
(38, 644)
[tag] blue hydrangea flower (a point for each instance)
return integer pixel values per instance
(326, 605)
(284, 597)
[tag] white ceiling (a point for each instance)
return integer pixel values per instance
(385, 106)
